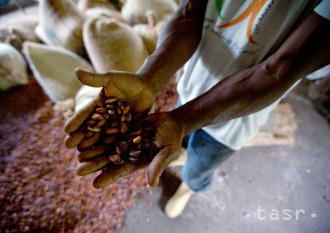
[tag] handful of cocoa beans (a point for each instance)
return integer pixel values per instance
(118, 132)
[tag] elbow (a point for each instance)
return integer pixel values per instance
(280, 68)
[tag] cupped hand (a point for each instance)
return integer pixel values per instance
(167, 139)
(129, 87)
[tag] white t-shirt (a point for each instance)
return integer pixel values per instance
(238, 34)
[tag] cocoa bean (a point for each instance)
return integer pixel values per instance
(137, 139)
(123, 128)
(124, 147)
(109, 140)
(101, 110)
(115, 159)
(120, 104)
(113, 124)
(89, 134)
(111, 111)
(135, 154)
(96, 117)
(128, 117)
(139, 132)
(101, 122)
(118, 150)
(114, 117)
(122, 118)
(111, 100)
(111, 130)
(90, 122)
(139, 146)
(126, 110)
(106, 116)
(133, 160)
(94, 129)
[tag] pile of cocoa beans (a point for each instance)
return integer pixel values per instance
(119, 133)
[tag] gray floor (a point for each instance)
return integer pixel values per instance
(289, 185)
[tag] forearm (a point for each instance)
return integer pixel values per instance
(177, 43)
(257, 87)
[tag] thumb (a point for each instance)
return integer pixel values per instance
(93, 79)
(160, 162)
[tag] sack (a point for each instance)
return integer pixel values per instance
(138, 11)
(149, 36)
(12, 67)
(54, 69)
(60, 24)
(112, 45)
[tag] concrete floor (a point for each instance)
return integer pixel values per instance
(289, 184)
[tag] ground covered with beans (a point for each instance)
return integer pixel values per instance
(39, 189)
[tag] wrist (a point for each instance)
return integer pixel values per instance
(147, 80)
(176, 115)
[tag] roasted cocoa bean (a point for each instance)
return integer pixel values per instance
(89, 134)
(137, 133)
(106, 116)
(123, 128)
(109, 140)
(132, 159)
(111, 111)
(111, 100)
(135, 154)
(90, 122)
(114, 124)
(124, 147)
(126, 110)
(115, 159)
(111, 130)
(137, 139)
(96, 117)
(94, 129)
(118, 150)
(101, 122)
(120, 105)
(128, 117)
(101, 110)
(122, 118)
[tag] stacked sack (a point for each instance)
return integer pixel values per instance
(95, 35)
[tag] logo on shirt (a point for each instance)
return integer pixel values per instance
(251, 13)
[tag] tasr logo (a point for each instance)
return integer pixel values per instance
(251, 13)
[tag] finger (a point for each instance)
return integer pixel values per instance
(113, 174)
(93, 79)
(72, 140)
(91, 166)
(78, 118)
(160, 162)
(88, 142)
(91, 153)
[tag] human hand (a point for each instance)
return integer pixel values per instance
(167, 139)
(126, 86)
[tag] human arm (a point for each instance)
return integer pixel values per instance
(250, 90)
(177, 43)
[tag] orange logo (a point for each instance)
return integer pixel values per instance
(250, 12)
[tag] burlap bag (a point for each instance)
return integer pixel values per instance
(60, 24)
(112, 45)
(54, 69)
(138, 11)
(12, 67)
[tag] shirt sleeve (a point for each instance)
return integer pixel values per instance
(323, 9)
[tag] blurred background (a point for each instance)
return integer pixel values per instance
(279, 182)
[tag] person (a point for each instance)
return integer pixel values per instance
(240, 58)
